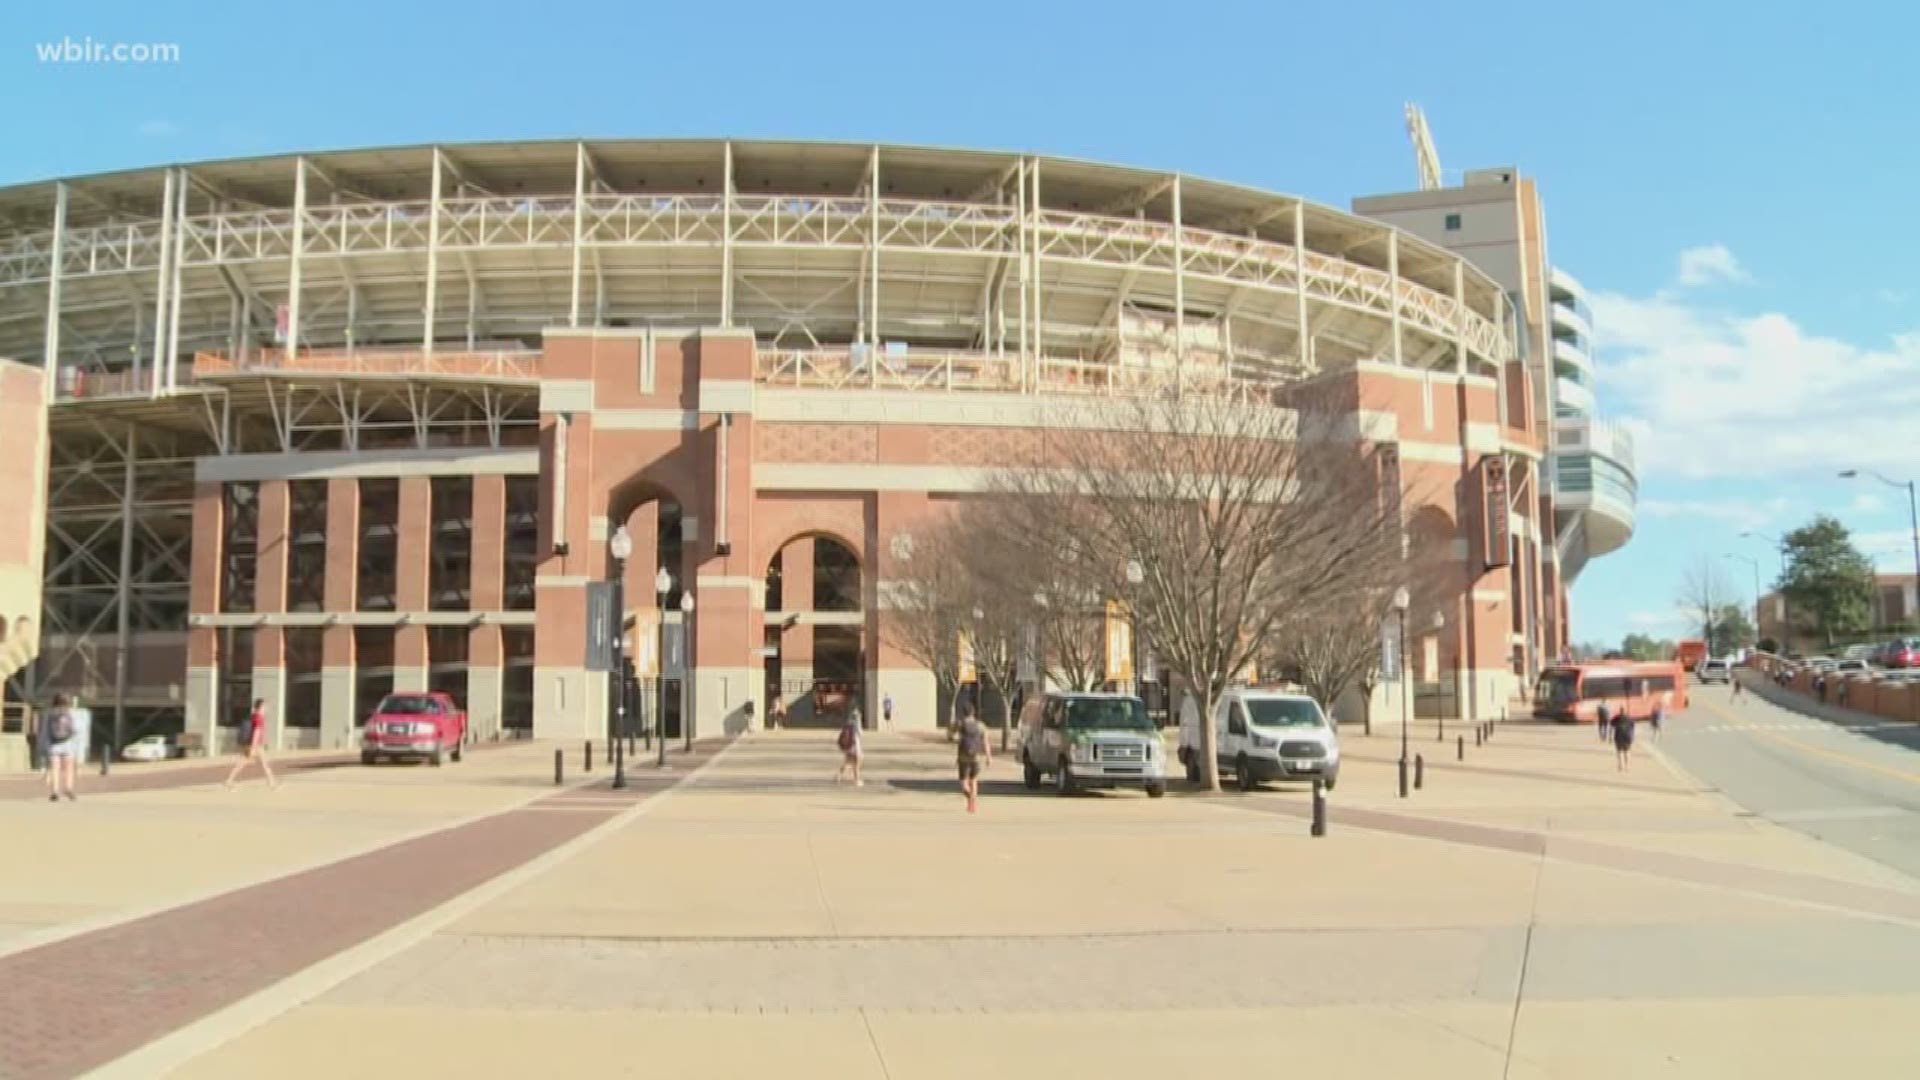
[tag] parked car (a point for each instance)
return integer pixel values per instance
(1086, 740)
(1712, 671)
(150, 748)
(425, 725)
(1264, 735)
(1852, 667)
(1899, 654)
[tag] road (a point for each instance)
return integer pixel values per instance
(1855, 787)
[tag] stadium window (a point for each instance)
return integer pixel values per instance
(1453, 222)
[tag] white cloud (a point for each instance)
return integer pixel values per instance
(1866, 503)
(1890, 549)
(1708, 264)
(1738, 513)
(1710, 393)
(159, 129)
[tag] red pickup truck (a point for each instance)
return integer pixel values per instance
(425, 725)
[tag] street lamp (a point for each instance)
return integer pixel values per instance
(619, 546)
(1913, 512)
(1136, 575)
(1755, 563)
(1786, 622)
(1440, 717)
(686, 667)
(662, 585)
(1402, 600)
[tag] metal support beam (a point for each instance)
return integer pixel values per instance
(433, 261)
(1033, 251)
(1179, 294)
(51, 361)
(123, 591)
(1300, 284)
(873, 266)
(726, 234)
(579, 226)
(160, 287)
(299, 242)
(1460, 324)
(176, 274)
(1393, 292)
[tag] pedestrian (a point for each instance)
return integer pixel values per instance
(1623, 740)
(886, 712)
(1737, 691)
(779, 711)
(1659, 714)
(62, 744)
(975, 754)
(1600, 720)
(252, 737)
(850, 750)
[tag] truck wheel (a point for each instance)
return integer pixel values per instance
(459, 754)
(366, 757)
(1331, 778)
(1030, 773)
(439, 757)
(1242, 773)
(1063, 780)
(1155, 791)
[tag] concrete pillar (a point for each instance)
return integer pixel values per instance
(203, 598)
(337, 678)
(916, 696)
(485, 654)
(270, 598)
(564, 698)
(413, 558)
(730, 622)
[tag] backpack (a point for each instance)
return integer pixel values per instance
(846, 737)
(60, 727)
(973, 739)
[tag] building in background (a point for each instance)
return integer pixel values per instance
(1495, 219)
(334, 424)
(1896, 612)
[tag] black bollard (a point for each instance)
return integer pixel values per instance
(1443, 730)
(1403, 778)
(1460, 751)
(1319, 807)
(1419, 771)
(588, 767)
(1480, 735)
(106, 755)
(559, 765)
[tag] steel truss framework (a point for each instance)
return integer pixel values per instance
(1011, 255)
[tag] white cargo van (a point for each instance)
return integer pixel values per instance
(1264, 735)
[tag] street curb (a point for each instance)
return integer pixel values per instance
(174, 1050)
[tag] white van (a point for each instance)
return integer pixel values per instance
(1264, 735)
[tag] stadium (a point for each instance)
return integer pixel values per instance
(322, 426)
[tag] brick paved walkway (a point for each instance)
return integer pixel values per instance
(77, 1004)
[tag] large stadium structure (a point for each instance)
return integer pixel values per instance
(329, 424)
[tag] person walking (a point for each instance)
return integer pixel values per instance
(779, 712)
(1600, 723)
(850, 749)
(253, 744)
(1623, 740)
(1659, 714)
(1738, 686)
(62, 744)
(886, 712)
(975, 754)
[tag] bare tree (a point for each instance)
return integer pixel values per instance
(1248, 517)
(1703, 592)
(1025, 561)
(931, 605)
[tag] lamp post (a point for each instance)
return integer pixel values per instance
(1913, 514)
(686, 670)
(1136, 575)
(1401, 601)
(662, 585)
(1440, 718)
(1786, 623)
(1755, 563)
(619, 546)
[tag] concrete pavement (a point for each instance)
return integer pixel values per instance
(1531, 913)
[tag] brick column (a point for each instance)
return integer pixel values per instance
(566, 703)
(203, 598)
(485, 653)
(413, 559)
(270, 598)
(916, 696)
(730, 621)
(337, 677)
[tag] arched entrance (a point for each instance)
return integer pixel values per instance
(815, 645)
(656, 524)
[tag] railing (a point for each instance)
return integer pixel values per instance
(77, 384)
(859, 369)
(502, 364)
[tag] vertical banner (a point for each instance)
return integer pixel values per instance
(969, 669)
(644, 646)
(1389, 651)
(675, 662)
(600, 625)
(1119, 635)
(1029, 659)
(1496, 538)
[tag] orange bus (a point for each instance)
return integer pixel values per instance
(1690, 653)
(1573, 693)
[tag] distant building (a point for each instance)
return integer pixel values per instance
(1896, 610)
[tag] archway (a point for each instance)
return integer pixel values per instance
(815, 645)
(656, 522)
(1434, 551)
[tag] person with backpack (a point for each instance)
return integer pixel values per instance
(252, 737)
(849, 743)
(1601, 720)
(886, 711)
(1623, 740)
(62, 745)
(975, 754)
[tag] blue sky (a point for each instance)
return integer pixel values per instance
(1733, 181)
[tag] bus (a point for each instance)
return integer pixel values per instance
(1689, 653)
(1573, 693)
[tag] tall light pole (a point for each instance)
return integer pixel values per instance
(662, 585)
(1755, 563)
(1439, 627)
(1786, 623)
(686, 669)
(1913, 515)
(1136, 575)
(1401, 601)
(619, 546)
